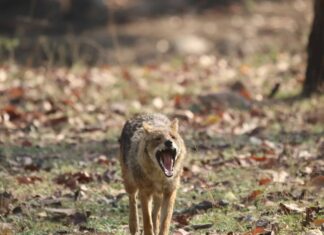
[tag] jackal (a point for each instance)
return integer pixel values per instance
(151, 157)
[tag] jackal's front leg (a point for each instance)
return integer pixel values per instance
(157, 202)
(146, 209)
(133, 217)
(167, 210)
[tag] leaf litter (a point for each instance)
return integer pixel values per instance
(255, 160)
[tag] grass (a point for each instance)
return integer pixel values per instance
(218, 163)
(107, 218)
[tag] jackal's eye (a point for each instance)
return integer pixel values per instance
(173, 137)
(158, 138)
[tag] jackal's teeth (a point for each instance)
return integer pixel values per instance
(171, 155)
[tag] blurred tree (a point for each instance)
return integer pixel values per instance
(314, 81)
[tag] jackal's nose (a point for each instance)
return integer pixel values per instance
(168, 143)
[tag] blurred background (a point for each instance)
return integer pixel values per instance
(62, 32)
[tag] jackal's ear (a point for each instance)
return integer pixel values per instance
(147, 127)
(175, 125)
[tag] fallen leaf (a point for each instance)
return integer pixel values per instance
(317, 181)
(318, 222)
(211, 120)
(257, 230)
(278, 176)
(259, 159)
(253, 195)
(264, 181)
(15, 93)
(56, 121)
(61, 211)
(245, 69)
(182, 219)
(230, 196)
(28, 179)
(311, 213)
(71, 181)
(12, 112)
(26, 143)
(32, 167)
(102, 159)
(126, 75)
(83, 177)
(186, 115)
(240, 88)
(184, 216)
(181, 101)
(42, 214)
(289, 208)
(187, 174)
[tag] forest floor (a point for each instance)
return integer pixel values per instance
(255, 148)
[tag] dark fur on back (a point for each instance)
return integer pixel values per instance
(136, 123)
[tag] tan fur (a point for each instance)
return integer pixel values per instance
(144, 177)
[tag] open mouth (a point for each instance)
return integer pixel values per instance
(166, 159)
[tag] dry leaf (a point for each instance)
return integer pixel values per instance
(211, 120)
(56, 121)
(318, 222)
(254, 195)
(28, 179)
(61, 211)
(257, 230)
(317, 181)
(182, 219)
(102, 159)
(259, 159)
(289, 208)
(15, 93)
(264, 181)
(72, 180)
(12, 112)
(279, 176)
(311, 213)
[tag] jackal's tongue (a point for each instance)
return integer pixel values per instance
(167, 163)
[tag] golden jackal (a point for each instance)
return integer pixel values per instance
(151, 158)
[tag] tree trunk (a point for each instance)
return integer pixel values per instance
(314, 81)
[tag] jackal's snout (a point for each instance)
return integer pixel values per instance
(168, 143)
